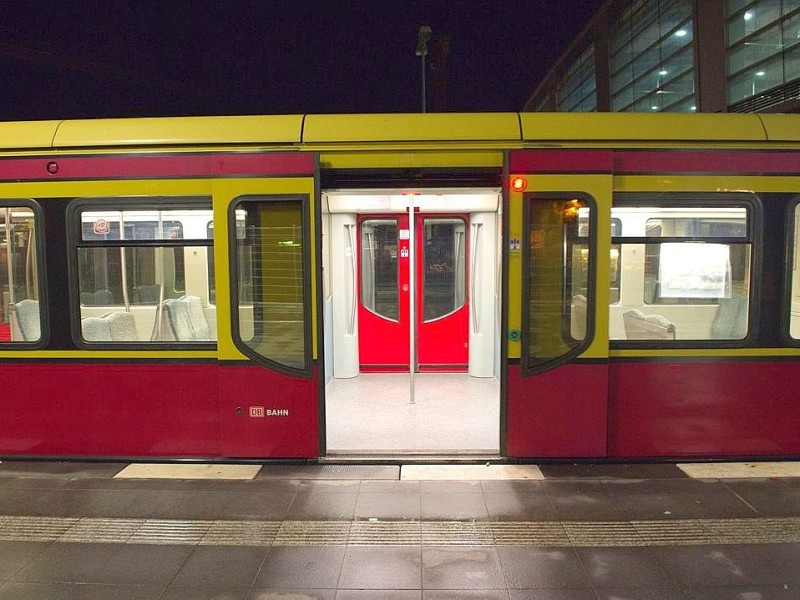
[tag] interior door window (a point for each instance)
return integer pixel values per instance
(443, 267)
(379, 292)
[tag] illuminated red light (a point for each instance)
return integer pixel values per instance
(518, 184)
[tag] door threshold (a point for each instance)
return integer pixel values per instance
(397, 457)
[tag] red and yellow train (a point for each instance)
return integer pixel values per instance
(515, 285)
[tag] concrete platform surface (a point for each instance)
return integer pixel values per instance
(345, 532)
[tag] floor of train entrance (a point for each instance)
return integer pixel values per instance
(452, 413)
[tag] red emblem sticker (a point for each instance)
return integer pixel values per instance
(101, 226)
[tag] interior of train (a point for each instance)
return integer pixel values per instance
(412, 321)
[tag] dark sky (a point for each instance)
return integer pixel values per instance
(120, 58)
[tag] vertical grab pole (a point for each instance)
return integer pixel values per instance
(412, 295)
(123, 260)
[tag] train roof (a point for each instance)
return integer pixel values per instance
(501, 128)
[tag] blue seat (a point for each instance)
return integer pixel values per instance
(26, 321)
(639, 326)
(185, 320)
(730, 322)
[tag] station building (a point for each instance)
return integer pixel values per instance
(679, 56)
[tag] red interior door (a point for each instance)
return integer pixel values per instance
(383, 290)
(442, 298)
(442, 310)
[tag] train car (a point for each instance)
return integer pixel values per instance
(506, 286)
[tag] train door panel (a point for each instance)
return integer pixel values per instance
(383, 292)
(268, 369)
(442, 293)
(439, 256)
(558, 264)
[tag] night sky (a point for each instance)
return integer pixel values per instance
(124, 58)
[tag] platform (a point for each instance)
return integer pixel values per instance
(346, 532)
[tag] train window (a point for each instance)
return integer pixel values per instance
(212, 281)
(559, 271)
(270, 275)
(686, 271)
(794, 320)
(616, 264)
(20, 311)
(142, 274)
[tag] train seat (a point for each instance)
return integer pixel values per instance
(97, 298)
(113, 327)
(122, 326)
(95, 329)
(147, 294)
(185, 320)
(639, 326)
(210, 313)
(26, 321)
(730, 322)
(578, 317)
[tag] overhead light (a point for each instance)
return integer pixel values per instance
(760, 73)
(681, 33)
(663, 72)
(654, 107)
(748, 15)
(694, 108)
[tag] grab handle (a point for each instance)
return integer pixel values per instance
(351, 242)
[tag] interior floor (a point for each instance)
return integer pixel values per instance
(452, 413)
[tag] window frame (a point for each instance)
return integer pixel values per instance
(307, 372)
(526, 369)
(41, 275)
(747, 200)
(791, 266)
(74, 240)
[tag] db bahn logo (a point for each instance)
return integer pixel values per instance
(259, 412)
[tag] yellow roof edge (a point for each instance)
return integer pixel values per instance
(621, 127)
(411, 127)
(781, 127)
(27, 135)
(180, 131)
(399, 128)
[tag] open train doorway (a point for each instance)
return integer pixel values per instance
(412, 322)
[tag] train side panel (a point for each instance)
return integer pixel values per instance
(106, 409)
(704, 408)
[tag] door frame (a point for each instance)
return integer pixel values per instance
(377, 201)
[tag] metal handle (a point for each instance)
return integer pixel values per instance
(476, 229)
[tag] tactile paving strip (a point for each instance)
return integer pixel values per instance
(375, 532)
